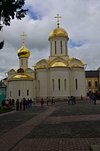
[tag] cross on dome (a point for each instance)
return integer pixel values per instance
(23, 35)
(58, 17)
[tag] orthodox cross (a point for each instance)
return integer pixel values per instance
(23, 35)
(58, 17)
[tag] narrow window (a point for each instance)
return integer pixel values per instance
(18, 92)
(65, 45)
(96, 83)
(10, 93)
(39, 85)
(22, 62)
(53, 84)
(64, 84)
(96, 91)
(76, 84)
(89, 83)
(61, 46)
(51, 48)
(51, 45)
(59, 84)
(27, 92)
(90, 91)
(55, 47)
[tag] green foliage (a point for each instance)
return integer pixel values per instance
(10, 9)
(5, 109)
(1, 44)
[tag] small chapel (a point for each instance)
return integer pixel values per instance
(58, 76)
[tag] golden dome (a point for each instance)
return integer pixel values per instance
(75, 63)
(58, 32)
(23, 52)
(58, 64)
(20, 76)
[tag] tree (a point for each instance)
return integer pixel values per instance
(10, 9)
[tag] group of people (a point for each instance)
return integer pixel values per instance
(42, 101)
(8, 102)
(23, 104)
(27, 103)
(18, 104)
(72, 100)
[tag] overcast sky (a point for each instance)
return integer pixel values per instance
(80, 18)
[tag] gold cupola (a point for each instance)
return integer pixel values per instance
(58, 31)
(58, 39)
(21, 77)
(23, 52)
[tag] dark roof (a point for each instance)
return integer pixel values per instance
(92, 74)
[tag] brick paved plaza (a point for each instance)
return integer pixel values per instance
(58, 127)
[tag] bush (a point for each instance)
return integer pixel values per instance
(5, 109)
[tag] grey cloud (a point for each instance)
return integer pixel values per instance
(79, 18)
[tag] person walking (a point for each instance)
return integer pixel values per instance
(20, 105)
(17, 105)
(42, 102)
(94, 98)
(24, 104)
(47, 101)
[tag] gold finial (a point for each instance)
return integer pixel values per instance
(23, 35)
(58, 17)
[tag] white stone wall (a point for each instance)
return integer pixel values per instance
(23, 86)
(62, 74)
(79, 74)
(42, 86)
(41, 77)
(49, 85)
(58, 47)
(23, 63)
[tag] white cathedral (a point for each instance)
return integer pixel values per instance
(58, 76)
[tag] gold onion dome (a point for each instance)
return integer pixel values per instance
(20, 76)
(23, 52)
(58, 32)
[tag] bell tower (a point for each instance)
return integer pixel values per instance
(23, 54)
(58, 40)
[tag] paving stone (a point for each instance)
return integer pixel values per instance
(95, 148)
(47, 129)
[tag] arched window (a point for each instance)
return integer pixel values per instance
(27, 92)
(53, 86)
(39, 85)
(65, 84)
(22, 61)
(51, 45)
(18, 92)
(61, 46)
(96, 83)
(89, 83)
(59, 84)
(65, 46)
(55, 48)
(76, 84)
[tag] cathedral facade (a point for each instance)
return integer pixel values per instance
(57, 76)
